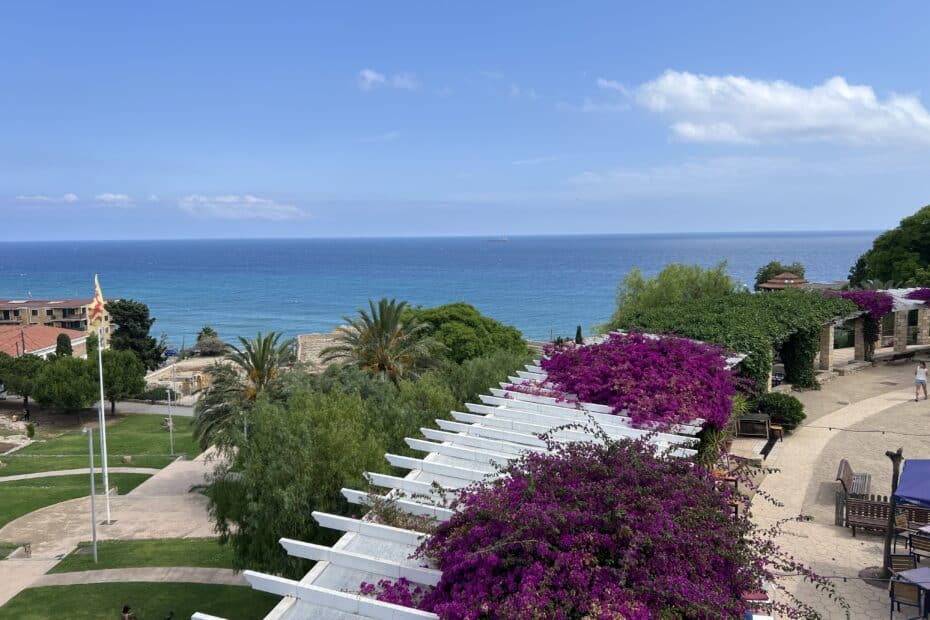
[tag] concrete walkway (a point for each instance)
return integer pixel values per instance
(847, 419)
(181, 574)
(160, 507)
(72, 472)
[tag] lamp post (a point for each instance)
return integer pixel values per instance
(93, 489)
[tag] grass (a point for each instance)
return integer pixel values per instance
(137, 553)
(23, 496)
(149, 601)
(139, 436)
(6, 549)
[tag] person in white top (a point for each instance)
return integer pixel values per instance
(920, 380)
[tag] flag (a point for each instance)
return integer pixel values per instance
(96, 308)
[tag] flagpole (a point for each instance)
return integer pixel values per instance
(103, 425)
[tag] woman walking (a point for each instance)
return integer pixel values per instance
(920, 380)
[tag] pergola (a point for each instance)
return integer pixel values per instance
(901, 308)
(463, 450)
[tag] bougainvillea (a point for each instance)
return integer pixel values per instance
(876, 304)
(609, 530)
(919, 294)
(659, 381)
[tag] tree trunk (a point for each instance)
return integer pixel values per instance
(896, 458)
(26, 403)
(112, 408)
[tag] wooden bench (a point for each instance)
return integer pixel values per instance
(853, 483)
(872, 514)
(866, 514)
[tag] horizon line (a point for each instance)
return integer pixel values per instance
(490, 236)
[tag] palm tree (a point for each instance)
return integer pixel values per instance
(260, 359)
(382, 342)
(220, 416)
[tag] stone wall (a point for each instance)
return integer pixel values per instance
(309, 347)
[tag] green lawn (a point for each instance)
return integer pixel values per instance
(6, 549)
(149, 601)
(23, 496)
(139, 436)
(135, 553)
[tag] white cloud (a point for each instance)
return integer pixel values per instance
(407, 81)
(517, 91)
(533, 161)
(42, 198)
(612, 85)
(236, 207)
(734, 109)
(113, 199)
(153, 198)
(369, 79)
(388, 136)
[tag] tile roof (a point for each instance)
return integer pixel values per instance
(36, 337)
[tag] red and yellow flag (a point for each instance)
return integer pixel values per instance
(96, 308)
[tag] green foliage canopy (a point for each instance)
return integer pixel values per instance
(299, 456)
(63, 345)
(752, 324)
(22, 374)
(69, 383)
(774, 268)
(901, 255)
(465, 332)
(676, 283)
(123, 376)
(132, 331)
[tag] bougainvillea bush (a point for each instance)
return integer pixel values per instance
(659, 381)
(597, 530)
(876, 304)
(920, 294)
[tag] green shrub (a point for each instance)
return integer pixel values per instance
(156, 394)
(30, 430)
(785, 409)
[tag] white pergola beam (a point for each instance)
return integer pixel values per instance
(494, 445)
(407, 485)
(460, 452)
(361, 562)
(414, 508)
(368, 528)
(452, 471)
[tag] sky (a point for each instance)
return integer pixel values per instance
(200, 120)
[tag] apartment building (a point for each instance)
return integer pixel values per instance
(62, 313)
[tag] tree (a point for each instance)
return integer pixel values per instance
(209, 342)
(261, 360)
(220, 416)
(298, 458)
(901, 255)
(579, 335)
(676, 283)
(92, 343)
(123, 376)
(132, 332)
(774, 268)
(68, 383)
(383, 342)
(22, 376)
(63, 346)
(465, 332)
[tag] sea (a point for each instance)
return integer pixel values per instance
(543, 285)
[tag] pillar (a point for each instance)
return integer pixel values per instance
(900, 331)
(826, 347)
(859, 340)
(923, 326)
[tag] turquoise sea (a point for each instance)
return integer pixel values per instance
(543, 285)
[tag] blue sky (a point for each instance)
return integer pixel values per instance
(123, 120)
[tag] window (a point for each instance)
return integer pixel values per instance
(16, 313)
(49, 312)
(35, 313)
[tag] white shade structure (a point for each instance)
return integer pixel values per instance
(468, 448)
